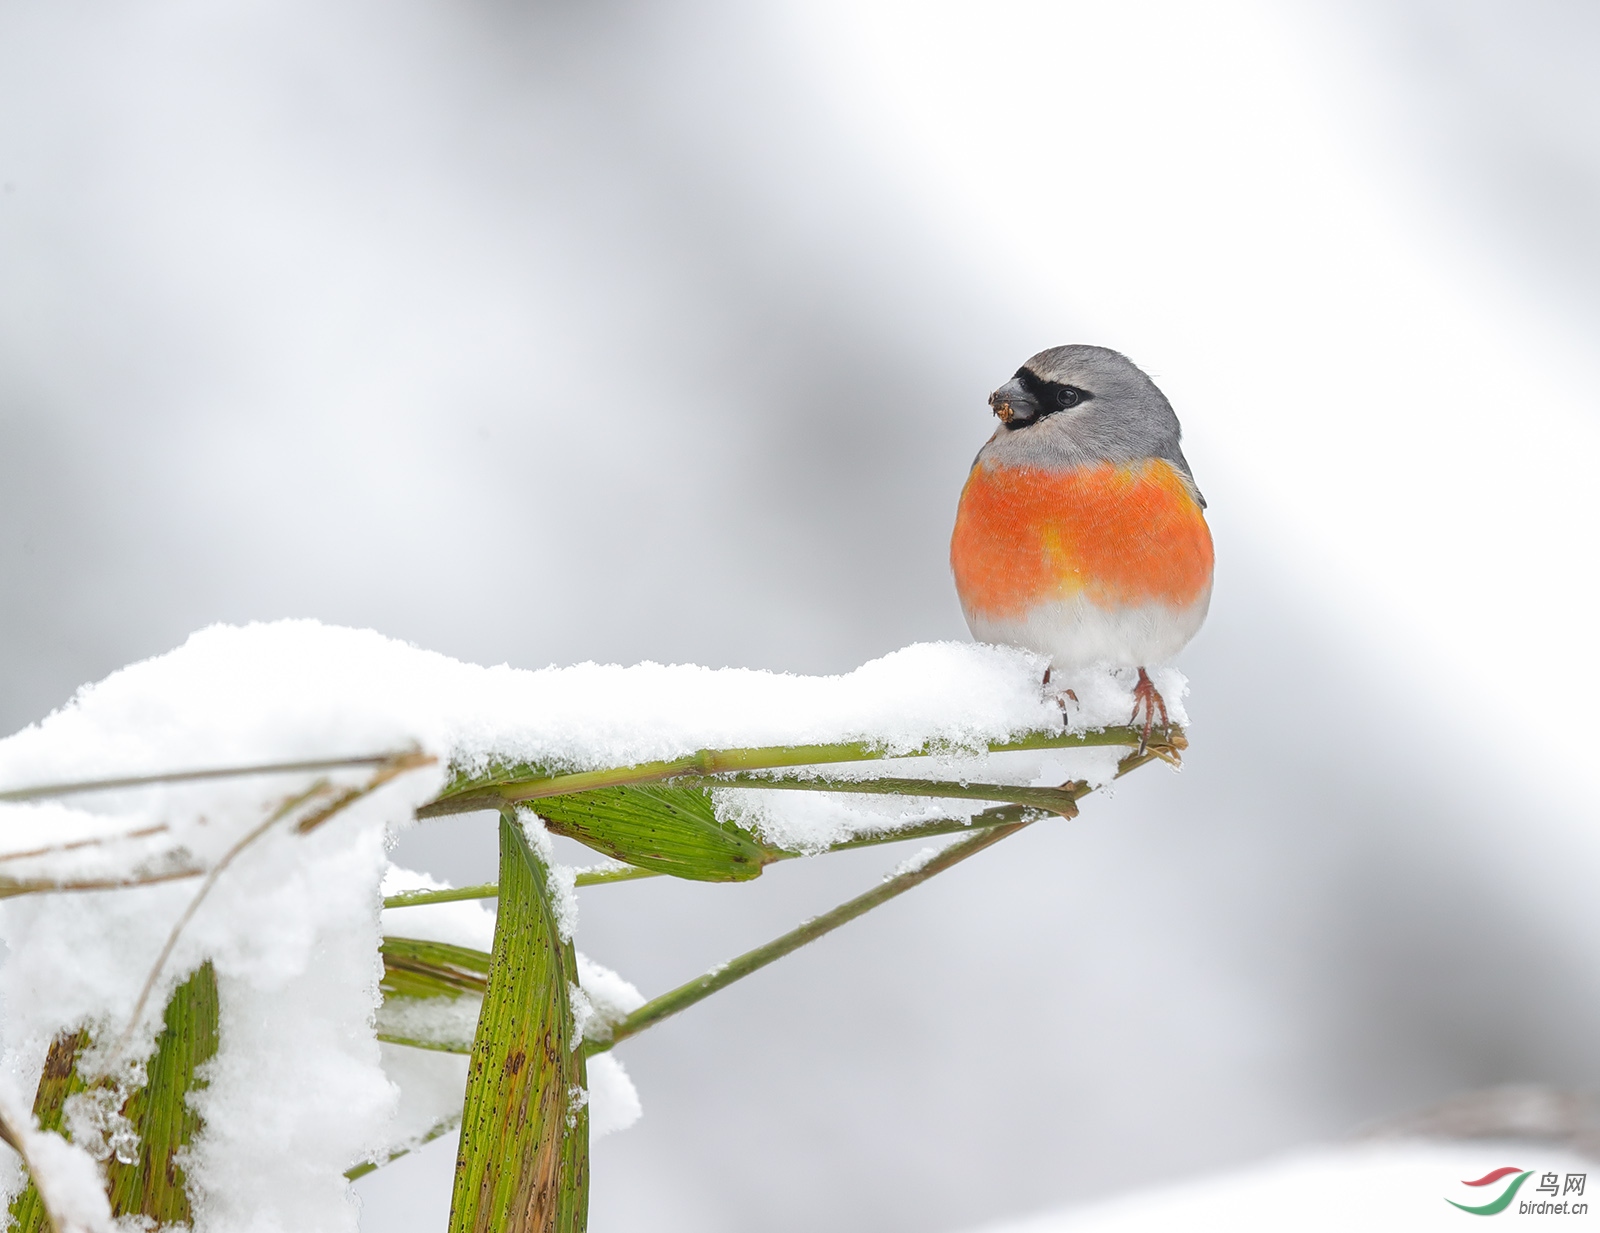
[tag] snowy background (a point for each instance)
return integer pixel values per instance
(543, 333)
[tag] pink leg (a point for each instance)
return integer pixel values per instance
(1147, 698)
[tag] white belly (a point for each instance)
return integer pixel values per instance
(1077, 634)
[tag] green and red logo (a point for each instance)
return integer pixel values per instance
(1555, 1194)
(1501, 1201)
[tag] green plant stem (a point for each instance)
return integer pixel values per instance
(471, 795)
(684, 996)
(417, 898)
(1002, 816)
(434, 1046)
(444, 981)
(1062, 800)
(489, 890)
(605, 877)
(434, 1132)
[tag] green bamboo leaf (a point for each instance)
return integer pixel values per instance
(154, 1185)
(523, 1163)
(431, 994)
(418, 969)
(151, 1184)
(664, 829)
(59, 1081)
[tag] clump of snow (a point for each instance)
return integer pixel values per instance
(435, 1021)
(300, 689)
(431, 1085)
(561, 883)
(613, 1100)
(605, 997)
(810, 822)
(95, 1121)
(300, 1088)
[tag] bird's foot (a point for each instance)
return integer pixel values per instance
(1147, 698)
(1061, 700)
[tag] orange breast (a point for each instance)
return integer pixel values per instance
(1114, 535)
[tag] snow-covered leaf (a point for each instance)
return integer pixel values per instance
(137, 1135)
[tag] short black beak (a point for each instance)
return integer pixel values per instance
(1014, 405)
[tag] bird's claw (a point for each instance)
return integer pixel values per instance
(1147, 698)
(1061, 699)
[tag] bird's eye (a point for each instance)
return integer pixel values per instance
(1066, 396)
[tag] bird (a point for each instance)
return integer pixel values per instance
(1080, 533)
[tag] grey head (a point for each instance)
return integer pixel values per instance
(1078, 404)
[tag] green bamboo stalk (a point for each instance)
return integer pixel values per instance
(526, 784)
(523, 1163)
(684, 996)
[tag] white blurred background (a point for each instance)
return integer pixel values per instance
(548, 332)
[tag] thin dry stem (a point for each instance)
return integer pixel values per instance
(41, 791)
(143, 832)
(396, 766)
(10, 889)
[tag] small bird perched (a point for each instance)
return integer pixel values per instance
(1080, 532)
